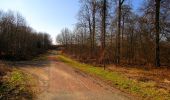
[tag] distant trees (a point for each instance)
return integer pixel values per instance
(19, 41)
(121, 35)
(87, 18)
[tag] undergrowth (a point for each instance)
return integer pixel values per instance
(16, 86)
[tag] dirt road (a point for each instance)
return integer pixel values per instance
(59, 81)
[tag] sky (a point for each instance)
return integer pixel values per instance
(48, 15)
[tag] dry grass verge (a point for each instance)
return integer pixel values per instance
(144, 89)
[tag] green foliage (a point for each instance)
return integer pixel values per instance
(147, 90)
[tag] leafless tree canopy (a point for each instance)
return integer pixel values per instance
(110, 31)
(18, 40)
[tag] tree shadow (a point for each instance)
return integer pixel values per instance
(28, 64)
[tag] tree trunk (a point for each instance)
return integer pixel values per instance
(103, 32)
(94, 26)
(118, 35)
(91, 41)
(157, 50)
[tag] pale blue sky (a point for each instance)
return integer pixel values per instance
(47, 15)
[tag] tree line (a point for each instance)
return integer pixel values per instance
(18, 41)
(111, 31)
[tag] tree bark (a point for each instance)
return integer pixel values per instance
(119, 31)
(94, 25)
(103, 31)
(157, 50)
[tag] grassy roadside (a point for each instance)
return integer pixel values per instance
(15, 85)
(146, 90)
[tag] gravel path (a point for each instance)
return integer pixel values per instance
(59, 81)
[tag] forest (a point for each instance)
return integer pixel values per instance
(18, 41)
(112, 32)
(112, 50)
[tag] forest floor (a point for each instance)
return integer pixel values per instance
(159, 77)
(14, 84)
(59, 81)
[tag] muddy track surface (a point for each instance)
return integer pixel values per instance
(59, 81)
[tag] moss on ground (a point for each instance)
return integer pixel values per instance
(16, 86)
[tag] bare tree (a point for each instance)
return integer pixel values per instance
(19, 41)
(103, 31)
(119, 30)
(107, 34)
